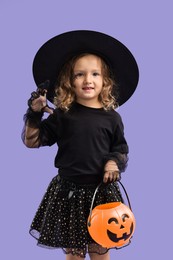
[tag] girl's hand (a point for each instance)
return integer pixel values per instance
(111, 172)
(38, 102)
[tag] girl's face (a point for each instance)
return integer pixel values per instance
(88, 80)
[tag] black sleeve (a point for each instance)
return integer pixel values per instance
(49, 128)
(119, 148)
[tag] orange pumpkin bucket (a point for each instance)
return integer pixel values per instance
(111, 224)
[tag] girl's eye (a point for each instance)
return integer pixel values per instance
(78, 75)
(96, 74)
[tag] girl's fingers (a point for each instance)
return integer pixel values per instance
(34, 95)
(110, 176)
(116, 175)
(41, 91)
(106, 177)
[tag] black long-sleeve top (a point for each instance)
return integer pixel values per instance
(86, 137)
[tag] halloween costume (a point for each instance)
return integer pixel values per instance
(86, 137)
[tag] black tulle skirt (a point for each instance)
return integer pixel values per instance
(61, 219)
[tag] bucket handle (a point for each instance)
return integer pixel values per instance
(92, 202)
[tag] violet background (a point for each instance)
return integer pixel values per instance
(145, 27)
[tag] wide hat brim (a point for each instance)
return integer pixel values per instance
(52, 55)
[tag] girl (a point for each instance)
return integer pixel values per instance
(91, 144)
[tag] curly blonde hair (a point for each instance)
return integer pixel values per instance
(64, 91)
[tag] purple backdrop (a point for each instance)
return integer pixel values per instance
(146, 28)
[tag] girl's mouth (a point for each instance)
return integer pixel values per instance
(87, 88)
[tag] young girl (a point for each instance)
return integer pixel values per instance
(91, 144)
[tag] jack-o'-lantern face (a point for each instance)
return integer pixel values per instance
(124, 225)
(112, 224)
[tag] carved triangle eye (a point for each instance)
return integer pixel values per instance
(124, 216)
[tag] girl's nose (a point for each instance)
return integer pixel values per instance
(87, 79)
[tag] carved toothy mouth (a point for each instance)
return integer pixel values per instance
(113, 237)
